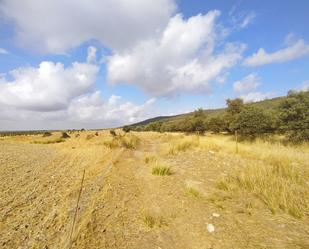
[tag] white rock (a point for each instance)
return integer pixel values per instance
(210, 228)
(215, 215)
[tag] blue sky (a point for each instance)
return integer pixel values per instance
(108, 63)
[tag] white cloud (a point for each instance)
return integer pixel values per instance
(248, 83)
(296, 50)
(183, 58)
(53, 96)
(56, 26)
(3, 51)
(256, 96)
(48, 87)
(91, 108)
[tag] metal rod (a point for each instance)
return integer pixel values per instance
(76, 208)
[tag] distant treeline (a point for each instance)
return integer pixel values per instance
(290, 117)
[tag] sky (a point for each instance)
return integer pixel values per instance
(104, 63)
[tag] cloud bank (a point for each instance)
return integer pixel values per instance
(118, 24)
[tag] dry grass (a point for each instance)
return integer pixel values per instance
(128, 141)
(278, 175)
(148, 220)
(192, 192)
(181, 144)
(161, 170)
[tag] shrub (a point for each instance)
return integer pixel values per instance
(113, 133)
(65, 135)
(96, 134)
(294, 116)
(126, 129)
(47, 134)
(252, 122)
(89, 136)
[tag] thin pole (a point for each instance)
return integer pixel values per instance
(236, 138)
(76, 208)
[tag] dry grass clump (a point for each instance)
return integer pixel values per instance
(148, 220)
(89, 136)
(182, 144)
(192, 192)
(129, 141)
(50, 141)
(280, 186)
(150, 159)
(161, 170)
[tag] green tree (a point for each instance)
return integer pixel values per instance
(217, 124)
(294, 116)
(234, 107)
(252, 122)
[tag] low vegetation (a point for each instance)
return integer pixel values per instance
(161, 170)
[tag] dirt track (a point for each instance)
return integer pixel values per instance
(40, 183)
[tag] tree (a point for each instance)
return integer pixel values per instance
(217, 124)
(234, 107)
(294, 116)
(252, 122)
(126, 128)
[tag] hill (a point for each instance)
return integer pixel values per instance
(267, 104)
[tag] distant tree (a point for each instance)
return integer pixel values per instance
(294, 116)
(199, 113)
(252, 122)
(126, 128)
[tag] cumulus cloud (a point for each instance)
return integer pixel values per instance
(92, 108)
(248, 83)
(54, 96)
(56, 26)
(296, 50)
(48, 87)
(183, 58)
(3, 51)
(256, 96)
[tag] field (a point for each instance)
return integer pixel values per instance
(152, 190)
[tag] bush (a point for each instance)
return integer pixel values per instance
(113, 133)
(217, 124)
(252, 122)
(47, 134)
(294, 116)
(126, 129)
(65, 135)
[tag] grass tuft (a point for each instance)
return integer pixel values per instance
(148, 220)
(161, 171)
(192, 192)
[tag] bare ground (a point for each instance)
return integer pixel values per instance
(39, 185)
